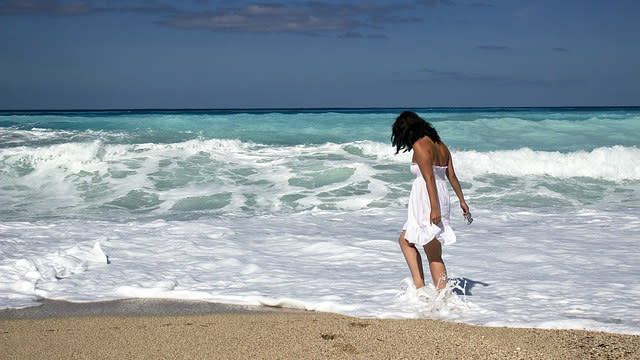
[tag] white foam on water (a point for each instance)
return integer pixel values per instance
(16, 137)
(548, 269)
(215, 174)
(615, 163)
(23, 277)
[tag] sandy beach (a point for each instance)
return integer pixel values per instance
(120, 330)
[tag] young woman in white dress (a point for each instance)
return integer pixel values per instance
(428, 211)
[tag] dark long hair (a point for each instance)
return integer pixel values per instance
(409, 128)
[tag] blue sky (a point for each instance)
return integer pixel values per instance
(221, 54)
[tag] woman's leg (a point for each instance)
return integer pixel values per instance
(433, 249)
(414, 260)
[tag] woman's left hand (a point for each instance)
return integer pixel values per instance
(464, 207)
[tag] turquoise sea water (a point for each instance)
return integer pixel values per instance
(301, 208)
(188, 163)
(551, 129)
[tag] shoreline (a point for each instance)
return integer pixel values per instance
(130, 308)
(186, 329)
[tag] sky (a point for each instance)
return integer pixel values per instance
(110, 54)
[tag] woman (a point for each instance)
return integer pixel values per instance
(428, 213)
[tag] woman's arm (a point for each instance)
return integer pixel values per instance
(455, 184)
(424, 158)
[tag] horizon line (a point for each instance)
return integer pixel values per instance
(313, 108)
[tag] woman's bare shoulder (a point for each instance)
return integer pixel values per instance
(424, 142)
(442, 155)
(423, 145)
(445, 148)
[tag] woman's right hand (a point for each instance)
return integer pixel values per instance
(435, 216)
(464, 207)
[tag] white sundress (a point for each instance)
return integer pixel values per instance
(418, 229)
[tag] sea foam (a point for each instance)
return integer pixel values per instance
(616, 163)
(345, 262)
(23, 277)
(230, 175)
(303, 208)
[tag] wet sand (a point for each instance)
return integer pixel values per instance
(159, 329)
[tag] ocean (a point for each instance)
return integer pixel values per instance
(302, 208)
